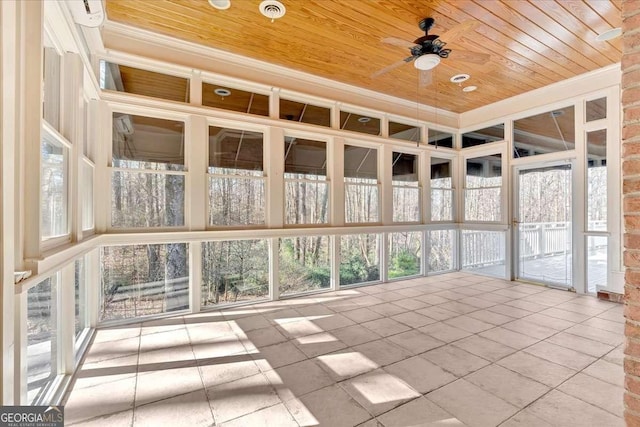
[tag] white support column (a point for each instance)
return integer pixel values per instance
(274, 268)
(195, 88)
(195, 276)
(615, 274)
(335, 171)
(20, 361)
(71, 127)
(102, 131)
(334, 261)
(273, 149)
(385, 169)
(424, 171)
(197, 200)
(93, 287)
(579, 205)
(10, 249)
(66, 319)
(424, 253)
(384, 126)
(274, 104)
(335, 116)
(30, 98)
(384, 257)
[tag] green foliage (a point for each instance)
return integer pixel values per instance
(404, 263)
(319, 276)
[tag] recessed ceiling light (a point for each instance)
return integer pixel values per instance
(459, 78)
(222, 92)
(364, 119)
(220, 4)
(610, 34)
(469, 88)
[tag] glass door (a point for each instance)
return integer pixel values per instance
(543, 224)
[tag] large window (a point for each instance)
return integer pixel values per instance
(359, 123)
(440, 139)
(441, 190)
(548, 132)
(236, 177)
(306, 187)
(441, 250)
(305, 113)
(81, 319)
(148, 181)
(483, 136)
(483, 188)
(228, 98)
(42, 339)
(404, 254)
(359, 258)
(304, 264)
(234, 271)
(143, 280)
(597, 180)
(86, 188)
(52, 83)
(406, 191)
(404, 132)
(54, 156)
(361, 184)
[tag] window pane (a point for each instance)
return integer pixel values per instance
(141, 199)
(404, 254)
(440, 139)
(406, 194)
(235, 152)
(483, 181)
(234, 271)
(53, 188)
(359, 123)
(361, 200)
(42, 340)
(228, 98)
(147, 143)
(87, 196)
(596, 109)
(305, 113)
(483, 136)
(359, 259)
(236, 201)
(81, 319)
(142, 280)
(548, 132)
(597, 180)
(306, 202)
(304, 264)
(441, 254)
(132, 80)
(441, 192)
(404, 132)
(304, 158)
(484, 252)
(360, 162)
(51, 85)
(596, 263)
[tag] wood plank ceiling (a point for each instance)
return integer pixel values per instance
(531, 43)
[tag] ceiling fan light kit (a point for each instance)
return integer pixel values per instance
(426, 62)
(609, 35)
(220, 4)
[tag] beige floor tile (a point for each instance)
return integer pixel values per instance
(388, 309)
(346, 364)
(378, 392)
(314, 310)
(531, 306)
(237, 398)
(112, 349)
(389, 296)
(277, 355)
(612, 315)
(455, 360)
(606, 371)
(415, 341)
(601, 335)
(315, 345)
(106, 371)
(604, 324)
(533, 367)
(362, 315)
(225, 346)
(484, 348)
(432, 299)
(507, 310)
(162, 325)
(330, 406)
(444, 332)
(525, 418)
(469, 324)
(265, 337)
(532, 329)
(508, 385)
(116, 333)
(479, 303)
(576, 306)
(92, 402)
(508, 337)
(583, 345)
(303, 377)
(164, 340)
(422, 375)
(332, 321)
(472, 405)
(277, 415)
(411, 303)
(490, 317)
(120, 419)
(560, 355)
(386, 327)
(190, 409)
(549, 322)
(199, 332)
(413, 319)
(166, 382)
(596, 392)
(250, 323)
(458, 307)
(215, 372)
(355, 335)
(491, 297)
(299, 328)
(571, 316)
(418, 412)
(383, 352)
(560, 409)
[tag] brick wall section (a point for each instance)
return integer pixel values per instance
(631, 204)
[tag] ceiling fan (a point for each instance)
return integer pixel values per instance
(427, 51)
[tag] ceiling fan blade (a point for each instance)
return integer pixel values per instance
(472, 57)
(458, 30)
(394, 41)
(426, 78)
(391, 67)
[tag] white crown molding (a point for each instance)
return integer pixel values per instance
(559, 92)
(143, 43)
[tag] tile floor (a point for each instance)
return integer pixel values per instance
(450, 350)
